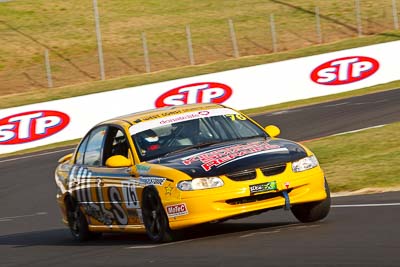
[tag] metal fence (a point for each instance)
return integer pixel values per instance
(183, 45)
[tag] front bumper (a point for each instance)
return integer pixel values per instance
(234, 198)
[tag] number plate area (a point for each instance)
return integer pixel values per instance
(264, 187)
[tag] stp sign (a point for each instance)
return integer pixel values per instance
(206, 92)
(345, 70)
(30, 126)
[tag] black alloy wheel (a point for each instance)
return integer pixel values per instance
(154, 217)
(78, 224)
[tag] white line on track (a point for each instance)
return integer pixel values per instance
(37, 155)
(360, 130)
(365, 205)
(371, 102)
(260, 233)
(335, 105)
(7, 219)
(165, 244)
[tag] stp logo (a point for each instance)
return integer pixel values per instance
(30, 126)
(345, 70)
(207, 92)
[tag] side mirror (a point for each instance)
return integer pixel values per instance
(65, 158)
(272, 130)
(118, 161)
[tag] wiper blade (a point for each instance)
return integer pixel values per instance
(251, 137)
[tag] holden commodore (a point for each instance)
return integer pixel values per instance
(162, 170)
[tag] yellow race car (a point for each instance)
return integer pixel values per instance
(166, 169)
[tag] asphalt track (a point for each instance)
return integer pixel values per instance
(359, 231)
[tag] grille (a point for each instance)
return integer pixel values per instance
(249, 199)
(242, 175)
(273, 170)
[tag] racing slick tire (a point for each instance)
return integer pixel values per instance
(314, 211)
(154, 217)
(77, 223)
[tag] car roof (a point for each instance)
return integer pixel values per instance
(146, 115)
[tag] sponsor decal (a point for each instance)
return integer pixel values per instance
(205, 92)
(168, 190)
(152, 180)
(142, 169)
(345, 70)
(178, 116)
(31, 126)
(81, 181)
(170, 113)
(185, 117)
(264, 187)
(177, 210)
(204, 113)
(219, 157)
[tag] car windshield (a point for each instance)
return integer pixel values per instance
(191, 130)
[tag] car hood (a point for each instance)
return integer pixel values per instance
(223, 158)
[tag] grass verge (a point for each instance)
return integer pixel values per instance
(42, 95)
(367, 159)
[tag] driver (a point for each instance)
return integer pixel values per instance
(148, 141)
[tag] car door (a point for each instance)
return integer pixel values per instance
(107, 195)
(85, 181)
(119, 187)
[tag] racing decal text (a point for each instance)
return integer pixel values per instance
(264, 187)
(152, 180)
(177, 210)
(224, 155)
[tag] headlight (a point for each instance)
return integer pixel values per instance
(200, 183)
(305, 164)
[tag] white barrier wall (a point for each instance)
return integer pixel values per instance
(55, 121)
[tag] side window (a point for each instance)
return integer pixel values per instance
(115, 144)
(81, 151)
(94, 147)
(120, 144)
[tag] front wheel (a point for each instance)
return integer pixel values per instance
(315, 211)
(154, 217)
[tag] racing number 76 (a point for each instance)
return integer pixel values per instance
(234, 117)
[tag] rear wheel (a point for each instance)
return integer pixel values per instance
(154, 217)
(77, 223)
(315, 211)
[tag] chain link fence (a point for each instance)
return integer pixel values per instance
(161, 48)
